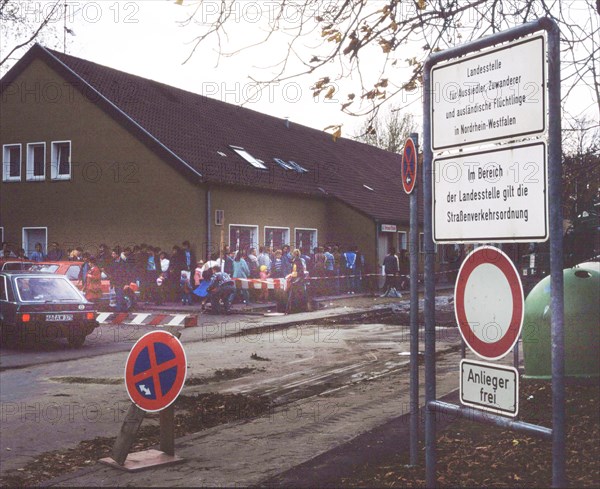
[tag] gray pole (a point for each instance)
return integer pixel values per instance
(414, 315)
(429, 311)
(556, 240)
(556, 256)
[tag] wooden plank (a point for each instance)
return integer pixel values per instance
(126, 437)
(167, 430)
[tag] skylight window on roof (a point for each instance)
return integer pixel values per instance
(249, 158)
(283, 164)
(297, 167)
(369, 188)
(220, 153)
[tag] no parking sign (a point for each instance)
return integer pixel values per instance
(155, 371)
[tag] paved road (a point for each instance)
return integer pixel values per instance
(322, 373)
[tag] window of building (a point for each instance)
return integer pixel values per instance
(32, 236)
(242, 237)
(61, 160)
(402, 240)
(36, 161)
(1, 235)
(283, 164)
(297, 167)
(276, 237)
(249, 158)
(11, 162)
(306, 240)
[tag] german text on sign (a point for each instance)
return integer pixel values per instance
(497, 195)
(493, 388)
(490, 96)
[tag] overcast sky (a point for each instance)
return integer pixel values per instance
(146, 38)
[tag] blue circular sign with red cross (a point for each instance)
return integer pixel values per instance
(155, 371)
(409, 166)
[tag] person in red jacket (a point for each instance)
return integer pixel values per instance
(93, 282)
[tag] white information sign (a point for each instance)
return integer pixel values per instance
(493, 388)
(490, 96)
(491, 196)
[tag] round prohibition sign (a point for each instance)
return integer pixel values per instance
(409, 166)
(489, 303)
(155, 371)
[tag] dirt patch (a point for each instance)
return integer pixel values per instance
(397, 315)
(87, 380)
(258, 358)
(475, 455)
(195, 413)
(220, 375)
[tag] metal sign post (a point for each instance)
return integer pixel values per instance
(414, 308)
(518, 60)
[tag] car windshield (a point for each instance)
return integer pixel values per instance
(42, 289)
(44, 268)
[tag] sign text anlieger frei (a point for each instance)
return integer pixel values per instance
(493, 388)
(490, 96)
(497, 195)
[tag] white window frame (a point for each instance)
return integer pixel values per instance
(252, 245)
(29, 176)
(259, 165)
(6, 177)
(297, 167)
(54, 164)
(314, 243)
(275, 227)
(400, 234)
(24, 241)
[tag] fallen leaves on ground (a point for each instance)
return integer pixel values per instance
(471, 454)
(193, 414)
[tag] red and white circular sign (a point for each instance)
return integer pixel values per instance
(489, 303)
(409, 166)
(155, 371)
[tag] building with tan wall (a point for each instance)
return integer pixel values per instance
(92, 154)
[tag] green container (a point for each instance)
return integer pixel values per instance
(582, 325)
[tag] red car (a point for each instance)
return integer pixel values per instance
(71, 269)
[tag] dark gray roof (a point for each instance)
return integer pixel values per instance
(190, 131)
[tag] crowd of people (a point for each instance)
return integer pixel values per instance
(177, 275)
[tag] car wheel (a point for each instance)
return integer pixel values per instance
(76, 340)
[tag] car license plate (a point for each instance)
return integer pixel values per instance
(59, 317)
